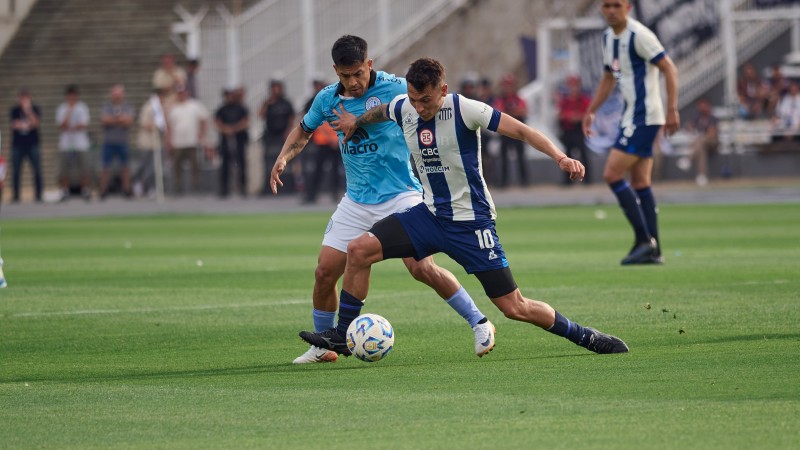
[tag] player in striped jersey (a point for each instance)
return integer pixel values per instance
(633, 57)
(379, 182)
(457, 217)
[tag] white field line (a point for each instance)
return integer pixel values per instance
(81, 312)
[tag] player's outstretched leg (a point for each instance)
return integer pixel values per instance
(517, 307)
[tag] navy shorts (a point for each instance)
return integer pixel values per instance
(637, 140)
(472, 244)
(111, 151)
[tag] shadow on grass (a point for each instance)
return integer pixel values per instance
(287, 368)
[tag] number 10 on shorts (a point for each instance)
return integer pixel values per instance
(485, 238)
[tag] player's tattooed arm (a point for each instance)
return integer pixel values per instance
(347, 124)
(374, 115)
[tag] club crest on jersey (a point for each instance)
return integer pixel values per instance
(426, 136)
(371, 103)
(409, 119)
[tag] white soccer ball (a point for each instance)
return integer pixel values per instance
(370, 337)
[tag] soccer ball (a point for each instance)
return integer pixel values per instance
(370, 337)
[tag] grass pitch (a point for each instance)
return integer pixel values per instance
(179, 331)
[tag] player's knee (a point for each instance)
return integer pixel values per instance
(325, 274)
(510, 306)
(358, 252)
(610, 176)
(420, 271)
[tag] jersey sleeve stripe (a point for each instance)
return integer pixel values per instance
(398, 112)
(495, 121)
(305, 127)
(658, 57)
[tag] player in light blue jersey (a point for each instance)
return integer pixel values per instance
(633, 57)
(379, 182)
(457, 218)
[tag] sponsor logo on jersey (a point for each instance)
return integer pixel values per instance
(433, 169)
(615, 68)
(492, 255)
(358, 144)
(445, 113)
(371, 103)
(426, 136)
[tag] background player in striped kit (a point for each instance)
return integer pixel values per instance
(633, 57)
(457, 217)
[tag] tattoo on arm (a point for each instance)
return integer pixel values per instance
(374, 115)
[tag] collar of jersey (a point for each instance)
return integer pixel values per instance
(340, 87)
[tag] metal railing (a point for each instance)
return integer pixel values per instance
(290, 40)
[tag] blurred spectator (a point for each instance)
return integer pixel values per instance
(486, 91)
(752, 93)
(706, 142)
(191, 77)
(169, 76)
(187, 123)
(232, 120)
(117, 118)
(778, 86)
(469, 86)
(512, 104)
(25, 120)
(787, 116)
(322, 156)
(572, 106)
(72, 118)
(152, 127)
(278, 115)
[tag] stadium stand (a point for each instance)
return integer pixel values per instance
(89, 43)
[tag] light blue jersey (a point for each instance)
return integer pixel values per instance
(376, 159)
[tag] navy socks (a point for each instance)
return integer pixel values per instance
(632, 208)
(567, 329)
(648, 203)
(349, 309)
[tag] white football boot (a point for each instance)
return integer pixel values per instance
(318, 355)
(484, 338)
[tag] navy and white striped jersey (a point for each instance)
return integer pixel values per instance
(631, 57)
(447, 155)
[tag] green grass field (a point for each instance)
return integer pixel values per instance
(179, 331)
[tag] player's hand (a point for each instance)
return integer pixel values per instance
(346, 123)
(673, 122)
(275, 175)
(588, 118)
(573, 167)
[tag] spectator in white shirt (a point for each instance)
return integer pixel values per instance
(72, 118)
(187, 123)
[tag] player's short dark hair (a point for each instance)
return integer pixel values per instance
(349, 50)
(71, 89)
(425, 72)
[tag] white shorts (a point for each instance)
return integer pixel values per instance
(352, 219)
